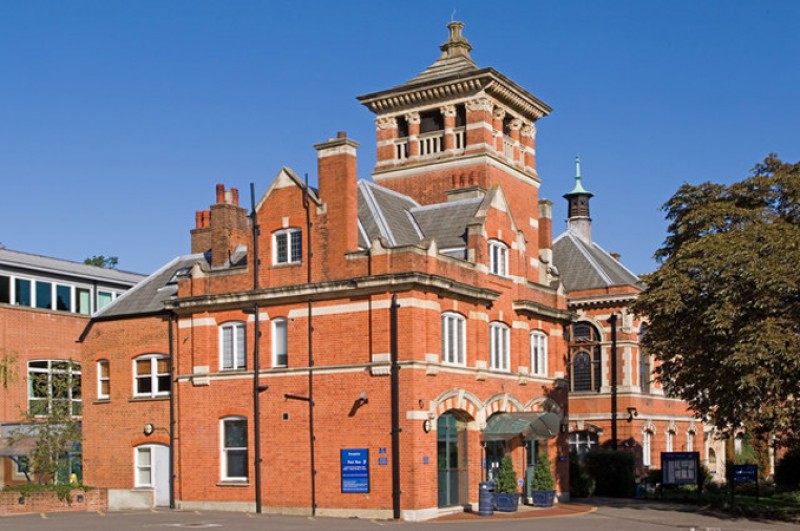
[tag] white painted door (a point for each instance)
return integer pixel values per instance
(152, 470)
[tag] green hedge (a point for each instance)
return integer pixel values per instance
(612, 471)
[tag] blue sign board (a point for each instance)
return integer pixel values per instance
(680, 468)
(355, 470)
(745, 473)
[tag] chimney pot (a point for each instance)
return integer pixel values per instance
(220, 194)
(341, 134)
(235, 196)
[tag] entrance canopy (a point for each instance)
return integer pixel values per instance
(530, 426)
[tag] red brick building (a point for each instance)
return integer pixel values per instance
(45, 303)
(648, 421)
(414, 318)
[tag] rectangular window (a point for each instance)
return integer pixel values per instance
(234, 449)
(63, 298)
(22, 292)
(287, 246)
(103, 298)
(151, 376)
(103, 380)
(44, 295)
(84, 299)
(689, 441)
(5, 289)
(538, 353)
(54, 387)
(232, 346)
(453, 339)
(646, 448)
(498, 258)
(670, 440)
(280, 343)
(499, 347)
(144, 467)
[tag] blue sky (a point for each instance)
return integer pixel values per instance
(117, 118)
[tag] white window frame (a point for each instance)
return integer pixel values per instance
(539, 353)
(647, 437)
(154, 376)
(291, 246)
(223, 457)
(138, 466)
(275, 350)
(690, 441)
(498, 258)
(238, 359)
(670, 440)
(499, 346)
(454, 326)
(73, 370)
(100, 379)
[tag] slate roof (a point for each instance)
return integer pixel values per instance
(402, 221)
(149, 295)
(585, 265)
(57, 266)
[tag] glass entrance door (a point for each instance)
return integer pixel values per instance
(531, 454)
(452, 460)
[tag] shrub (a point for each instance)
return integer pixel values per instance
(542, 478)
(787, 470)
(613, 472)
(506, 477)
(581, 484)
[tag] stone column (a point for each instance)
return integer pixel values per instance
(497, 127)
(528, 141)
(515, 126)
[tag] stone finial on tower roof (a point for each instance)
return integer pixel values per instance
(457, 45)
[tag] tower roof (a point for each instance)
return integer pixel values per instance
(455, 75)
(578, 189)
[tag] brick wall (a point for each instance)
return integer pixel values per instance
(47, 502)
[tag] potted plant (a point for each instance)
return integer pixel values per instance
(506, 497)
(543, 487)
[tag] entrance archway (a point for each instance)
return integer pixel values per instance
(452, 460)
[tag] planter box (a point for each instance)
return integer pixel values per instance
(506, 503)
(543, 498)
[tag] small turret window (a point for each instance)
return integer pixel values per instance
(498, 258)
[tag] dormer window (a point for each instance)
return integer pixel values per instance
(287, 246)
(498, 258)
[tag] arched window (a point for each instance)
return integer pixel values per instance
(103, 380)
(280, 342)
(498, 258)
(538, 353)
(499, 347)
(454, 339)
(647, 436)
(585, 358)
(232, 346)
(670, 440)
(151, 375)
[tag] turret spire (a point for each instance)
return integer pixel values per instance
(579, 221)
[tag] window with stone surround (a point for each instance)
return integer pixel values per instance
(538, 353)
(499, 346)
(232, 346)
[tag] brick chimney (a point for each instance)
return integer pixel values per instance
(221, 228)
(336, 170)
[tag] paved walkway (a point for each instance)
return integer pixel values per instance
(525, 511)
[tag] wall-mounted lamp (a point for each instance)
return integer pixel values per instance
(632, 413)
(149, 429)
(362, 399)
(426, 425)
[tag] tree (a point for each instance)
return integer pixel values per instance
(724, 305)
(52, 419)
(109, 262)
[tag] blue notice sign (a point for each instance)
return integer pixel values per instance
(355, 470)
(745, 473)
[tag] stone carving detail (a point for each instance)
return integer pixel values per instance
(529, 130)
(499, 113)
(448, 110)
(515, 125)
(386, 122)
(479, 104)
(412, 117)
